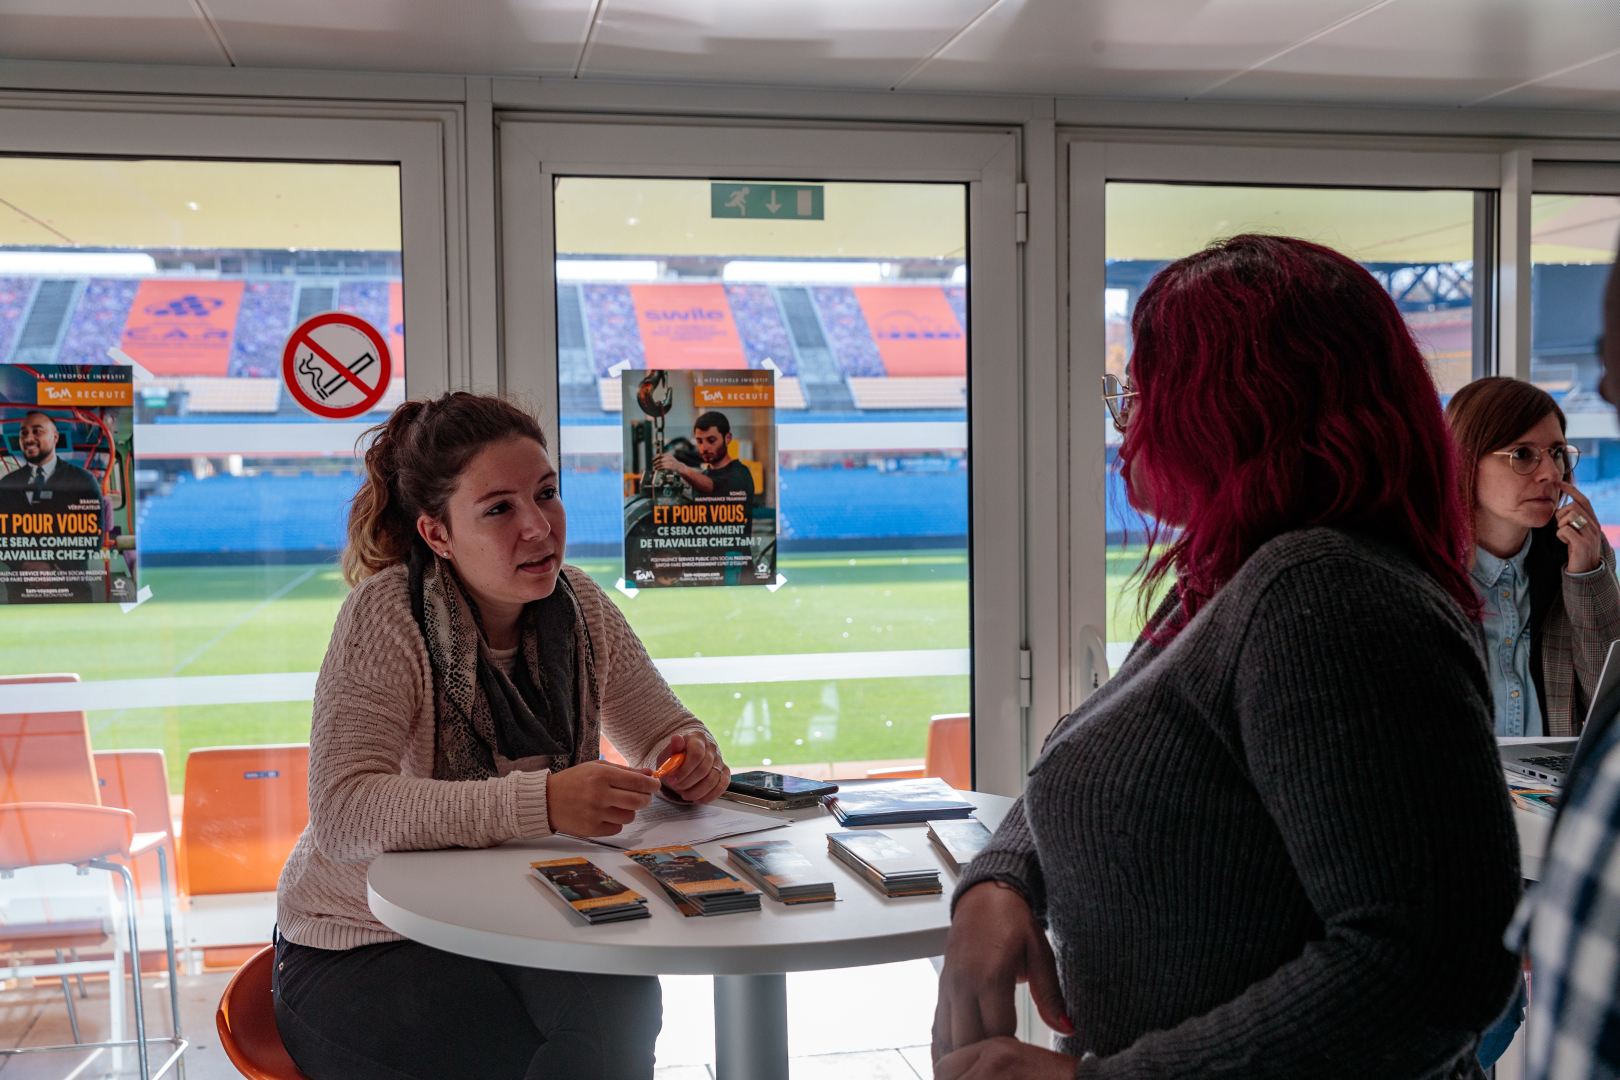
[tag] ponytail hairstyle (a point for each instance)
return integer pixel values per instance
(413, 465)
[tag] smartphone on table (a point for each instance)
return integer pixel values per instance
(773, 791)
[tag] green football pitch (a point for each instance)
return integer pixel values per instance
(245, 620)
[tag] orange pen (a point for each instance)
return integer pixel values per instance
(675, 761)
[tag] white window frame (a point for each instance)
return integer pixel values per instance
(535, 150)
(1093, 160)
(424, 143)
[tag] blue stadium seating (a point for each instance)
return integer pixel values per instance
(307, 513)
(247, 513)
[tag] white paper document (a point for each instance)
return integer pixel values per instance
(665, 822)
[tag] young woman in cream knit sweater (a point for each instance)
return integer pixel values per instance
(462, 701)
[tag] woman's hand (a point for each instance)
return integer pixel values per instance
(597, 798)
(703, 775)
(994, 944)
(1004, 1058)
(1585, 543)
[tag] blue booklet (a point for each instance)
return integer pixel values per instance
(902, 802)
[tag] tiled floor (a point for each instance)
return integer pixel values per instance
(854, 1024)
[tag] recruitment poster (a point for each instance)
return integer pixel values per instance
(67, 515)
(699, 477)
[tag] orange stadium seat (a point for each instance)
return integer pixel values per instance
(245, 807)
(949, 754)
(45, 756)
(138, 781)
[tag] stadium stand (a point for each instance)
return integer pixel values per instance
(225, 514)
(210, 520)
(207, 394)
(14, 294)
(956, 296)
(847, 333)
(97, 322)
(262, 324)
(947, 392)
(610, 319)
(759, 323)
(367, 299)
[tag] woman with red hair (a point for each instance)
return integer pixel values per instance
(1277, 843)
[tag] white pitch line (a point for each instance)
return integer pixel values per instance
(300, 685)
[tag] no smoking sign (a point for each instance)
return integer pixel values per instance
(336, 365)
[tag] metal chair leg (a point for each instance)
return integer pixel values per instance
(134, 958)
(84, 995)
(67, 995)
(174, 975)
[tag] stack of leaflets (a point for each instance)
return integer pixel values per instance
(777, 867)
(591, 894)
(694, 884)
(959, 840)
(890, 866)
(903, 802)
(1528, 795)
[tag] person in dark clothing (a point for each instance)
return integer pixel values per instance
(722, 476)
(1277, 844)
(46, 483)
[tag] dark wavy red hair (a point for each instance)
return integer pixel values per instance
(1279, 388)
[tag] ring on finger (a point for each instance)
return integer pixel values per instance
(1579, 521)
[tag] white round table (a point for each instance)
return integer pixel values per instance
(486, 903)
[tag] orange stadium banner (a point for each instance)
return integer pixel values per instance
(915, 329)
(183, 327)
(687, 326)
(396, 324)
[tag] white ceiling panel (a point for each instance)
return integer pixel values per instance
(1156, 48)
(1596, 83)
(479, 37)
(128, 31)
(1436, 52)
(836, 43)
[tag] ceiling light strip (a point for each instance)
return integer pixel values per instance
(1543, 78)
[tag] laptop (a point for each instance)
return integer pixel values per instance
(1549, 762)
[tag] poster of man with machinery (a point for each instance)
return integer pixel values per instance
(699, 477)
(67, 506)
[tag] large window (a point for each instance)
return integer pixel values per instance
(198, 270)
(1572, 244)
(1418, 244)
(858, 304)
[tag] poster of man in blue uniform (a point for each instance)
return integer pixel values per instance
(699, 477)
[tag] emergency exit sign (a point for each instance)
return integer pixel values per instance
(766, 201)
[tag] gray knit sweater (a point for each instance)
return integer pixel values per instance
(1280, 846)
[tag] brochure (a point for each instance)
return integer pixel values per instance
(902, 802)
(889, 865)
(959, 840)
(696, 885)
(782, 871)
(591, 894)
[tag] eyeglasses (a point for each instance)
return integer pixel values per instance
(1527, 459)
(1117, 395)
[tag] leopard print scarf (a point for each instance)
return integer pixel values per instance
(549, 706)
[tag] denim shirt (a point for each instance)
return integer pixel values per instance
(1504, 588)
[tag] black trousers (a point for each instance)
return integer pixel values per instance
(402, 1010)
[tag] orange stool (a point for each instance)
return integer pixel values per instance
(247, 1023)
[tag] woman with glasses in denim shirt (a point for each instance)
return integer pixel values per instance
(1544, 573)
